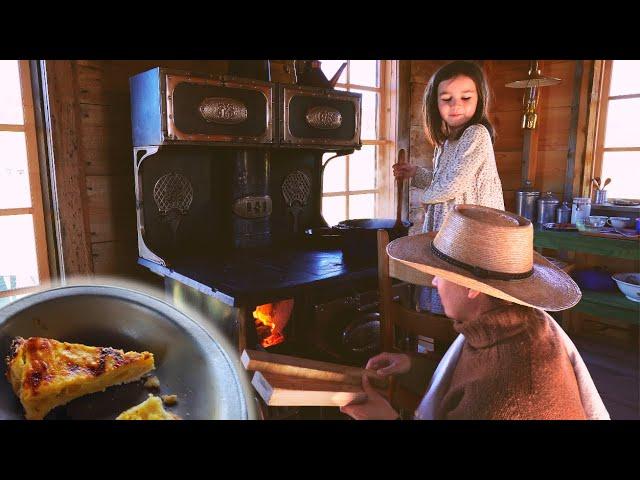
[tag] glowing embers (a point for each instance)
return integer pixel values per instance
(271, 319)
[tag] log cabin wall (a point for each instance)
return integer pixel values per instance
(420, 150)
(505, 111)
(96, 117)
(90, 103)
(561, 135)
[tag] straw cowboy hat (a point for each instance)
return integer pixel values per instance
(490, 251)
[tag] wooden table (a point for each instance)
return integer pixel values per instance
(602, 304)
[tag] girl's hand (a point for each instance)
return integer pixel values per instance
(376, 406)
(404, 170)
(386, 363)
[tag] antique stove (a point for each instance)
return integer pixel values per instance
(228, 176)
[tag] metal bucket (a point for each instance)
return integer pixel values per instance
(526, 204)
(547, 206)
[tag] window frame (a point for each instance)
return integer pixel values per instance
(385, 142)
(33, 165)
(597, 127)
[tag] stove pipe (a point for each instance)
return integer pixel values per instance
(251, 201)
(256, 69)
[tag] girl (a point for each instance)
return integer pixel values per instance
(464, 171)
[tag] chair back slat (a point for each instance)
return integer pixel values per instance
(437, 328)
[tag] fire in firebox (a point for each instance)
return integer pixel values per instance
(271, 319)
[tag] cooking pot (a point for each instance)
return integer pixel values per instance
(360, 237)
(361, 338)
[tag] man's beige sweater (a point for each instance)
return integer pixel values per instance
(512, 366)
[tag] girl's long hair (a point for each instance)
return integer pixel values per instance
(436, 129)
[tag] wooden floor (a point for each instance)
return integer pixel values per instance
(614, 365)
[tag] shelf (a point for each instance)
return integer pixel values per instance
(577, 242)
(609, 305)
(612, 305)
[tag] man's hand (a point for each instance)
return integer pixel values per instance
(386, 363)
(376, 406)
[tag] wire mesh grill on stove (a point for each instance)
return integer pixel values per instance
(296, 188)
(173, 191)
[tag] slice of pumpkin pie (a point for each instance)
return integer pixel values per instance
(46, 373)
(150, 409)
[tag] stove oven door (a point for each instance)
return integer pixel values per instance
(211, 110)
(347, 330)
(320, 118)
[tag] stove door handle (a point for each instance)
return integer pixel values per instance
(369, 306)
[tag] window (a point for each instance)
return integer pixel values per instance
(357, 185)
(23, 256)
(617, 152)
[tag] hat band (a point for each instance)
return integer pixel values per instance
(477, 271)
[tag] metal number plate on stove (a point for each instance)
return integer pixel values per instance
(253, 207)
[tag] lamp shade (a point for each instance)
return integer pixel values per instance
(534, 80)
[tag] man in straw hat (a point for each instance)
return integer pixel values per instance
(511, 359)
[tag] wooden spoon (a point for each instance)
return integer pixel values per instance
(606, 182)
(596, 182)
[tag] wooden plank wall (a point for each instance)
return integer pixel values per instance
(554, 127)
(68, 169)
(105, 149)
(505, 111)
(420, 150)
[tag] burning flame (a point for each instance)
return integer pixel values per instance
(264, 315)
(274, 316)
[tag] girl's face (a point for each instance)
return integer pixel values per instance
(457, 100)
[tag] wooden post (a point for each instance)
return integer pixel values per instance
(62, 117)
(385, 292)
(529, 155)
(34, 172)
(35, 68)
(573, 133)
(403, 133)
(596, 80)
(244, 316)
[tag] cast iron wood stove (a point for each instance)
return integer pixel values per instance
(228, 176)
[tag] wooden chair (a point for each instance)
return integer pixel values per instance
(396, 318)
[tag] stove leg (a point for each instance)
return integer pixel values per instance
(243, 314)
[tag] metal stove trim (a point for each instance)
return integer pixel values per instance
(143, 249)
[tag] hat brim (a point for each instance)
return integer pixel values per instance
(548, 288)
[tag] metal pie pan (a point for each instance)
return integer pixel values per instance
(193, 360)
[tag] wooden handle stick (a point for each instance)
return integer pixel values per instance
(305, 368)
